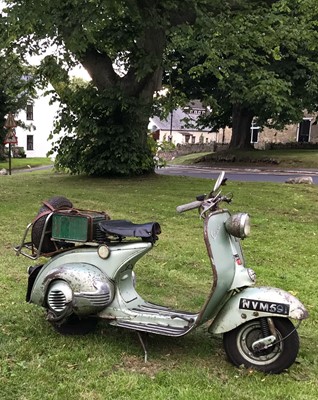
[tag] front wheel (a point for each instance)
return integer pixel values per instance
(275, 359)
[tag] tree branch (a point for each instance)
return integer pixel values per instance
(100, 68)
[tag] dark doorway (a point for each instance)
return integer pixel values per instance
(254, 134)
(304, 131)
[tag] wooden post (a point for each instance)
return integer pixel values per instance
(9, 158)
(10, 138)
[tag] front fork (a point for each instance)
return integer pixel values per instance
(267, 326)
(269, 335)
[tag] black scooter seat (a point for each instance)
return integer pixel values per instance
(124, 228)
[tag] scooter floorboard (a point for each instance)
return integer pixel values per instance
(168, 326)
(153, 328)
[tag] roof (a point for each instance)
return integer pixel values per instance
(181, 121)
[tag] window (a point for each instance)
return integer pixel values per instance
(254, 133)
(29, 112)
(193, 139)
(29, 142)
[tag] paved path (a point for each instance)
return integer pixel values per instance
(42, 167)
(239, 174)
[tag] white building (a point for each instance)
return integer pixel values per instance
(180, 126)
(38, 117)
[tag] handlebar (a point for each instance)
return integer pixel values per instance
(189, 206)
(197, 204)
(207, 203)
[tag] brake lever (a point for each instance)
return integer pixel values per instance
(206, 207)
(210, 203)
(228, 198)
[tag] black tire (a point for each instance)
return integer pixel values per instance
(47, 245)
(275, 359)
(76, 326)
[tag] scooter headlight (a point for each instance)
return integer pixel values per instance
(238, 225)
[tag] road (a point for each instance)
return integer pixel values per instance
(239, 174)
(234, 174)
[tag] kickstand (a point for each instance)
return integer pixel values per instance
(143, 344)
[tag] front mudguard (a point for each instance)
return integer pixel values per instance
(257, 302)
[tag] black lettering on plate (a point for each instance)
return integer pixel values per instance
(264, 306)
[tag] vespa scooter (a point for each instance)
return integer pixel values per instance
(90, 276)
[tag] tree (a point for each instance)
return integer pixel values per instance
(15, 90)
(258, 64)
(121, 44)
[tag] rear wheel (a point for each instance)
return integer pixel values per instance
(75, 325)
(275, 359)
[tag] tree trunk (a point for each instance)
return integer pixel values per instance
(2, 136)
(2, 156)
(115, 140)
(137, 90)
(241, 128)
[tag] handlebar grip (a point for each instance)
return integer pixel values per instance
(189, 206)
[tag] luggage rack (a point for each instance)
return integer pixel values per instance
(28, 249)
(74, 228)
(33, 253)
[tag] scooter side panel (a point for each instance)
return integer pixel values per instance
(80, 259)
(257, 302)
(83, 278)
(220, 249)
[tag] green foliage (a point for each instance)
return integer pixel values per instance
(107, 139)
(167, 146)
(121, 45)
(16, 82)
(16, 89)
(259, 59)
(245, 59)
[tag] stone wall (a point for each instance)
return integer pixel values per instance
(267, 139)
(182, 150)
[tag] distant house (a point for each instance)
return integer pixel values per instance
(38, 117)
(306, 131)
(180, 126)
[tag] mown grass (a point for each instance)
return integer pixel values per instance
(286, 158)
(37, 363)
(188, 159)
(20, 163)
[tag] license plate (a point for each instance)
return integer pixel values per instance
(264, 306)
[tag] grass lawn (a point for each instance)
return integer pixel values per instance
(37, 363)
(20, 163)
(290, 158)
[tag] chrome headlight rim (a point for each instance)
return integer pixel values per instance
(238, 225)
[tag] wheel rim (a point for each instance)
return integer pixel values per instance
(247, 336)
